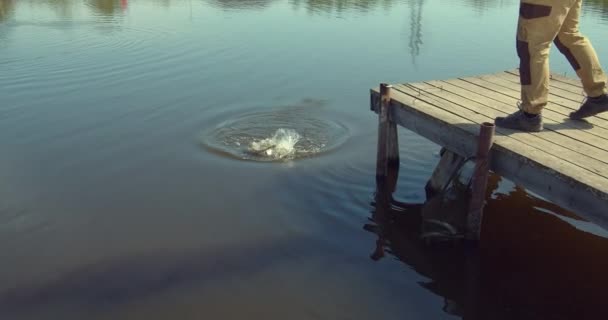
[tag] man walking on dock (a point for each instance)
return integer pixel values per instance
(540, 23)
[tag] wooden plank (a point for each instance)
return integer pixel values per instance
(496, 100)
(514, 77)
(569, 98)
(561, 146)
(421, 103)
(579, 140)
(503, 94)
(566, 80)
(573, 99)
(515, 93)
(558, 78)
(477, 113)
(442, 128)
(577, 97)
(543, 174)
(554, 86)
(576, 94)
(509, 94)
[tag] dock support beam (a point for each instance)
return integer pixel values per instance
(480, 181)
(393, 143)
(387, 166)
(388, 143)
(448, 164)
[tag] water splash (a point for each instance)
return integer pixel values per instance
(280, 146)
(282, 133)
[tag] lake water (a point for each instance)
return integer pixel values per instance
(127, 189)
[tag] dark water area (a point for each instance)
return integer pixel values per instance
(128, 190)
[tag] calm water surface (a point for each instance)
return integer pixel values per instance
(122, 195)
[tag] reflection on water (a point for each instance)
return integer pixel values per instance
(6, 9)
(284, 133)
(110, 209)
(107, 7)
(483, 5)
(241, 4)
(598, 5)
(103, 285)
(112, 7)
(415, 38)
(341, 5)
(529, 265)
(63, 8)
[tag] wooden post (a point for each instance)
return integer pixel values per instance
(383, 133)
(393, 143)
(383, 190)
(480, 181)
(448, 164)
(393, 149)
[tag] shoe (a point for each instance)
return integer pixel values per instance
(520, 121)
(591, 107)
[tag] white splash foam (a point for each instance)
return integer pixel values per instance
(280, 145)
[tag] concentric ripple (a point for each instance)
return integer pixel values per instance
(286, 133)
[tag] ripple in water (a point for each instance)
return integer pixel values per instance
(286, 133)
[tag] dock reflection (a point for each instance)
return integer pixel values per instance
(532, 262)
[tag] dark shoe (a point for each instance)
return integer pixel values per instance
(520, 121)
(591, 107)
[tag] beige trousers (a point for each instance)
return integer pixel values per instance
(540, 23)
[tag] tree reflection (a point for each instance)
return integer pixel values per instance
(241, 4)
(599, 5)
(341, 5)
(7, 7)
(63, 8)
(415, 39)
(484, 5)
(106, 7)
(112, 7)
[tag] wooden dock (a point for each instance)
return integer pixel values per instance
(566, 163)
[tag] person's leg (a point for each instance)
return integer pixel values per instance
(581, 55)
(539, 23)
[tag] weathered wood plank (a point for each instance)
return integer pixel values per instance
(556, 87)
(493, 91)
(576, 98)
(415, 101)
(515, 93)
(557, 133)
(496, 101)
(547, 175)
(442, 128)
(477, 113)
(557, 104)
(514, 77)
(575, 83)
